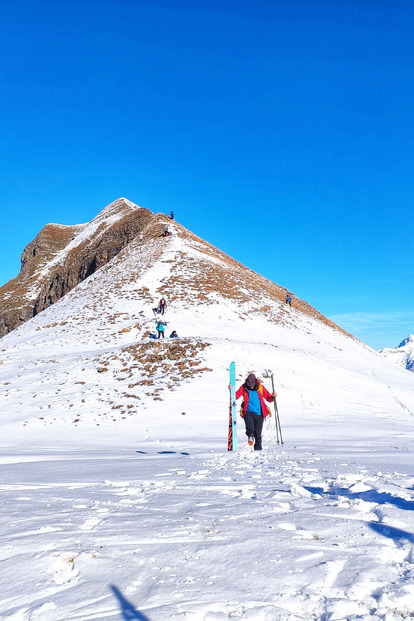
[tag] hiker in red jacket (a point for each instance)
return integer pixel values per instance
(254, 408)
(162, 305)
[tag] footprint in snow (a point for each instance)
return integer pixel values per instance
(90, 523)
(63, 568)
(299, 532)
(298, 490)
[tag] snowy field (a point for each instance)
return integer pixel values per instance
(310, 530)
(121, 502)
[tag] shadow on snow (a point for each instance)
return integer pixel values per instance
(128, 612)
(380, 498)
(371, 495)
(164, 453)
(390, 532)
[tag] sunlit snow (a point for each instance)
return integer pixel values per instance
(121, 501)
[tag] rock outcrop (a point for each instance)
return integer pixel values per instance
(62, 256)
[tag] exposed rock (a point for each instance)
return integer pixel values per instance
(60, 257)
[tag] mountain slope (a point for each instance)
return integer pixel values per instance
(120, 499)
(403, 355)
(94, 341)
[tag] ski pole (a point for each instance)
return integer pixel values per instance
(277, 419)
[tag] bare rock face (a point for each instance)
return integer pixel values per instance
(62, 256)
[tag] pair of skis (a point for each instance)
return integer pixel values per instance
(232, 436)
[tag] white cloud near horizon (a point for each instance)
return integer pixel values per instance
(375, 320)
(378, 329)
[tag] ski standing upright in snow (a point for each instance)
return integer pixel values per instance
(232, 439)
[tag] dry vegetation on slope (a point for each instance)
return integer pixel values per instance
(209, 271)
(199, 273)
(111, 315)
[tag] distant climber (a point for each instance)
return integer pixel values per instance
(173, 335)
(161, 328)
(172, 215)
(162, 305)
(166, 232)
(288, 300)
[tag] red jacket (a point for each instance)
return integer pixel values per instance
(263, 394)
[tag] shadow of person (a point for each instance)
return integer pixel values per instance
(128, 612)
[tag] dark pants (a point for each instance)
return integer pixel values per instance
(254, 426)
(161, 333)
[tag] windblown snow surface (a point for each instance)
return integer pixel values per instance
(120, 499)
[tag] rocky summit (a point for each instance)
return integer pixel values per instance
(60, 257)
(95, 349)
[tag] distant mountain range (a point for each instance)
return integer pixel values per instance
(403, 355)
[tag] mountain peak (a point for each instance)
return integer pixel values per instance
(61, 256)
(409, 340)
(403, 355)
(185, 268)
(116, 210)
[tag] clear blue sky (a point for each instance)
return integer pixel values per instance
(279, 131)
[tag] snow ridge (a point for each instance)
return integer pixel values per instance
(83, 232)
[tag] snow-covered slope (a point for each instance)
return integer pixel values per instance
(121, 500)
(403, 355)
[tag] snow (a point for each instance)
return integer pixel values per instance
(408, 340)
(403, 355)
(118, 505)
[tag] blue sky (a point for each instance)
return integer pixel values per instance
(279, 131)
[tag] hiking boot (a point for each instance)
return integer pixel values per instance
(250, 440)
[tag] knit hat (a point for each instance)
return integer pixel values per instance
(251, 381)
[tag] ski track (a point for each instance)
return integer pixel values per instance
(323, 541)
